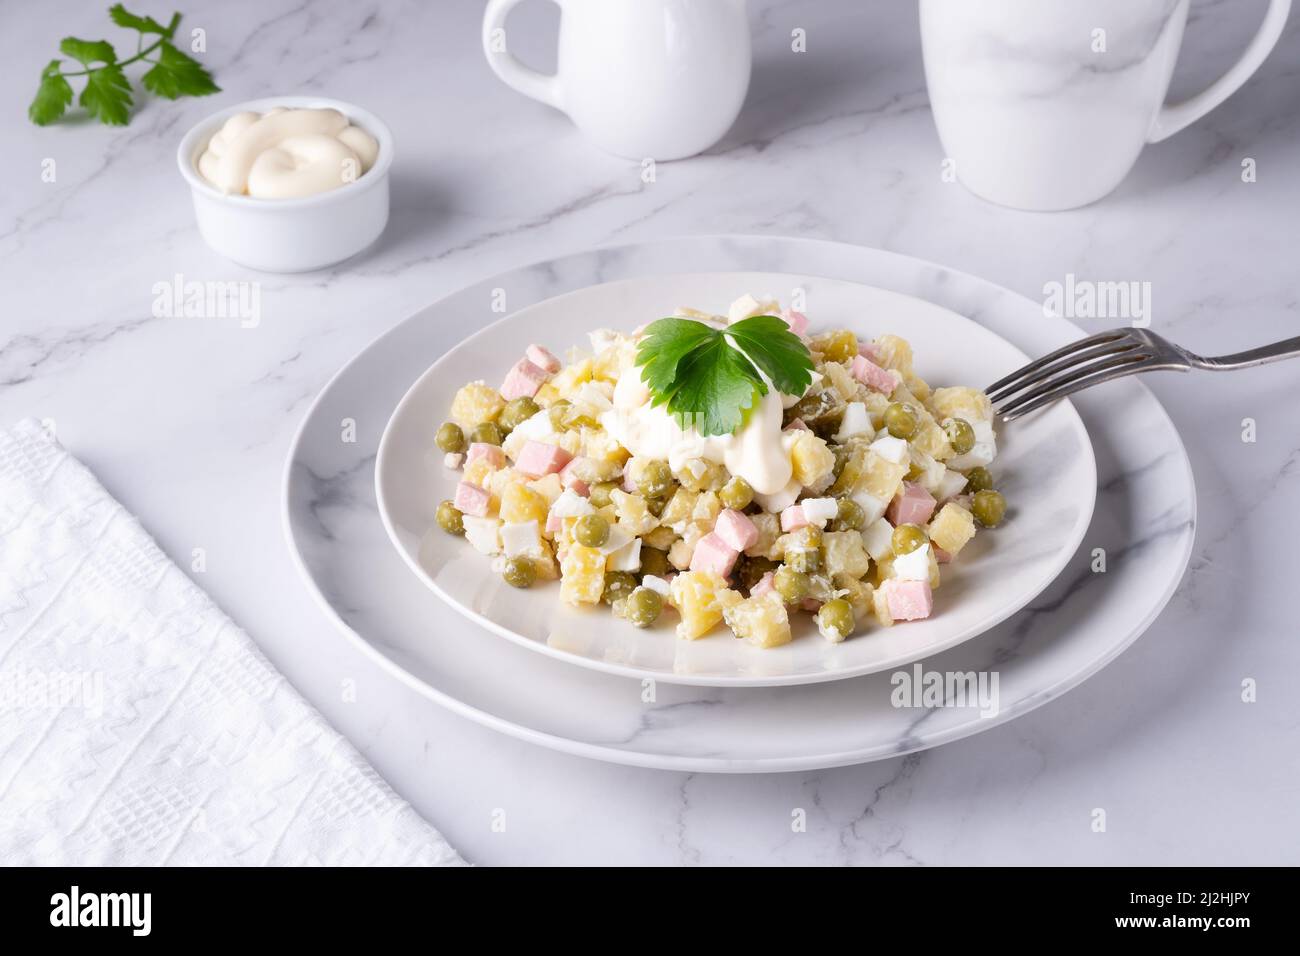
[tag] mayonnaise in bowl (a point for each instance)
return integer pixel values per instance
(286, 153)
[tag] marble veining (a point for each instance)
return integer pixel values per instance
(187, 421)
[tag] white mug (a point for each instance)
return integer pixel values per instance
(1046, 104)
(657, 79)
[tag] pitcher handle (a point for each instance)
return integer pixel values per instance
(538, 86)
(1171, 119)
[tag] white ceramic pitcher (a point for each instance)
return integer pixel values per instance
(1046, 104)
(657, 79)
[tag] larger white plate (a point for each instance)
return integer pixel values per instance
(1045, 467)
(1144, 522)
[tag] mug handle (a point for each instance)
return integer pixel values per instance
(538, 86)
(1171, 119)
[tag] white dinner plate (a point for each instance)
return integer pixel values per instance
(1045, 467)
(1144, 523)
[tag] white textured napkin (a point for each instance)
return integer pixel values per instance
(138, 725)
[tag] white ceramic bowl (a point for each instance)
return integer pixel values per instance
(290, 235)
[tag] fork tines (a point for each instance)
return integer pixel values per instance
(1081, 364)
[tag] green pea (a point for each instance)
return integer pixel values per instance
(591, 531)
(450, 518)
(450, 438)
(618, 584)
(902, 420)
(809, 536)
(907, 538)
(851, 517)
(654, 561)
(806, 560)
(792, 585)
(656, 479)
(558, 411)
(737, 494)
(960, 435)
(836, 617)
(487, 433)
(988, 507)
(520, 572)
(644, 607)
(516, 412)
(599, 494)
(978, 479)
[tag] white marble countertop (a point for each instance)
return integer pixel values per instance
(187, 421)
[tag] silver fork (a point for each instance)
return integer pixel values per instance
(1111, 355)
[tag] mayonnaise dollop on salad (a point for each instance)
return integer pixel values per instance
(286, 153)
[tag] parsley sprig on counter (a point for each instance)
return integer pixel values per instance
(710, 378)
(107, 93)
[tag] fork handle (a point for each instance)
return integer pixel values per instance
(1287, 348)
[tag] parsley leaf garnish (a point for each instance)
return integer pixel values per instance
(711, 378)
(107, 94)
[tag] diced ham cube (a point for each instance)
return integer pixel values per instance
(554, 523)
(908, 600)
(736, 530)
(940, 556)
(913, 505)
(797, 426)
(870, 350)
(793, 518)
(538, 458)
(523, 380)
(764, 585)
(492, 454)
(541, 356)
(797, 321)
(580, 487)
(873, 376)
(471, 499)
(810, 604)
(714, 555)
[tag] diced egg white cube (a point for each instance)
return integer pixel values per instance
(626, 558)
(656, 584)
(891, 449)
(950, 484)
(819, 511)
(743, 308)
(570, 504)
(617, 540)
(856, 421)
(913, 566)
(779, 501)
(878, 538)
(453, 459)
(872, 507)
(520, 539)
(932, 470)
(482, 533)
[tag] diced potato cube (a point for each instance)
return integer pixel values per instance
(549, 487)
(582, 575)
(881, 478)
(547, 395)
(841, 379)
(478, 472)
(700, 474)
(701, 599)
(679, 554)
(680, 508)
(894, 353)
(845, 554)
(762, 621)
(520, 503)
(811, 459)
(880, 604)
(769, 530)
(932, 439)
(661, 537)
(632, 512)
(961, 402)
(476, 403)
(952, 528)
(707, 508)
(568, 380)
